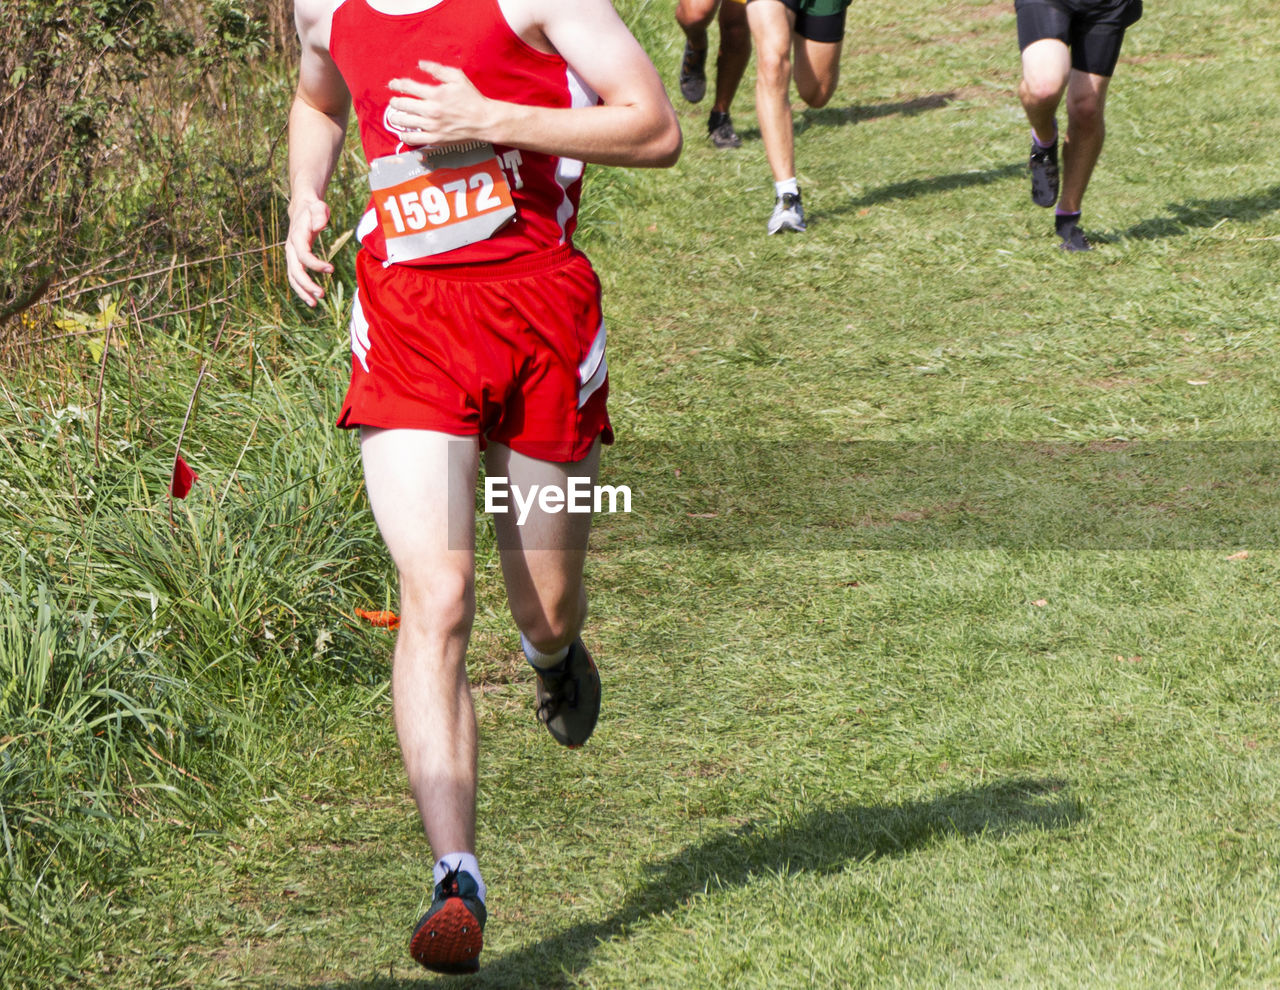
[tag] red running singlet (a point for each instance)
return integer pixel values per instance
(371, 48)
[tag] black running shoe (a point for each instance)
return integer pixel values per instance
(448, 938)
(1074, 240)
(569, 697)
(720, 131)
(1043, 166)
(693, 74)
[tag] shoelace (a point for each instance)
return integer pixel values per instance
(560, 690)
(449, 882)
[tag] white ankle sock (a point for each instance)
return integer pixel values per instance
(460, 861)
(540, 659)
(787, 186)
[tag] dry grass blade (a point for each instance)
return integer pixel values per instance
(191, 405)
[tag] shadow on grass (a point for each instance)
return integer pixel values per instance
(823, 841)
(1201, 214)
(927, 187)
(840, 116)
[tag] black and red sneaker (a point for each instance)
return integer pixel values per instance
(1043, 166)
(448, 938)
(569, 697)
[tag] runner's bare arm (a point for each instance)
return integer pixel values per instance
(635, 124)
(317, 127)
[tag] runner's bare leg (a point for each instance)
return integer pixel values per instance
(1086, 98)
(1046, 66)
(413, 476)
(542, 561)
(817, 70)
(772, 25)
(694, 17)
(734, 54)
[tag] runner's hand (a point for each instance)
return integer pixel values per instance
(448, 111)
(306, 219)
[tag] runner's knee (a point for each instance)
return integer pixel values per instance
(816, 92)
(735, 36)
(696, 14)
(441, 603)
(773, 69)
(1084, 110)
(1041, 90)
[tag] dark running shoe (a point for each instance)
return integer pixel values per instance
(1074, 240)
(448, 938)
(720, 131)
(569, 697)
(693, 74)
(1043, 166)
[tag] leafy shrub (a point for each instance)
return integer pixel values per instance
(91, 91)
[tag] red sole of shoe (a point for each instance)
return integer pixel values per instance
(450, 942)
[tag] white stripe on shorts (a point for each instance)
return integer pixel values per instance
(360, 343)
(594, 369)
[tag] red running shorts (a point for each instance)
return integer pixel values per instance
(511, 352)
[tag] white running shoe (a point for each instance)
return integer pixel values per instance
(788, 214)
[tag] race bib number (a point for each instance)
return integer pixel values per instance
(433, 200)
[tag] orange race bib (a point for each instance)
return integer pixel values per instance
(433, 200)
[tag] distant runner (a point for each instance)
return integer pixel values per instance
(1071, 47)
(476, 325)
(815, 29)
(694, 17)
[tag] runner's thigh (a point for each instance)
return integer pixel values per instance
(421, 487)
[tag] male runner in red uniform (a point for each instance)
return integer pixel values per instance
(1071, 47)
(475, 324)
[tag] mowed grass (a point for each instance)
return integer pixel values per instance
(1035, 764)
(843, 771)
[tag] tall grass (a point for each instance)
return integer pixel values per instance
(93, 732)
(153, 664)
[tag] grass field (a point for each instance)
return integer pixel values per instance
(985, 733)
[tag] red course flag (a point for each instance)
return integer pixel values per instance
(183, 478)
(387, 620)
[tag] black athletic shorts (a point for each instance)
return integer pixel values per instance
(1092, 29)
(819, 20)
